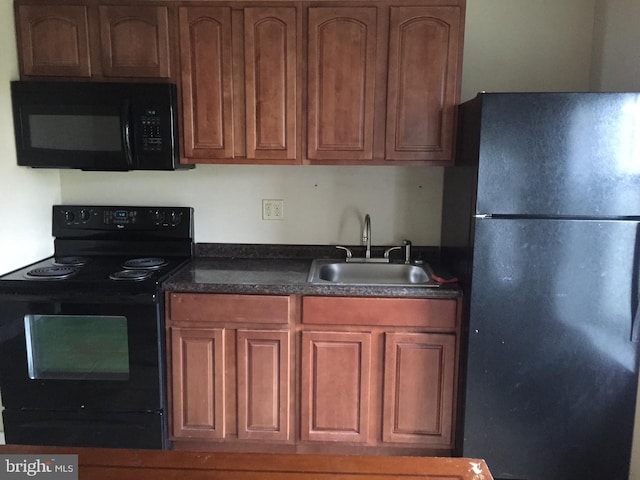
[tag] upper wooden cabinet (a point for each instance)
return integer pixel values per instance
(424, 79)
(53, 40)
(239, 83)
(380, 82)
(134, 41)
(94, 41)
(360, 57)
(341, 88)
(207, 95)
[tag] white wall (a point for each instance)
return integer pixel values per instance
(322, 205)
(616, 54)
(527, 45)
(26, 194)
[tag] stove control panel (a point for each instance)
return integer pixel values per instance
(76, 220)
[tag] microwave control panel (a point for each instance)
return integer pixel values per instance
(151, 131)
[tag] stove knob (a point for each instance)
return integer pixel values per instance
(85, 215)
(175, 218)
(69, 216)
(158, 217)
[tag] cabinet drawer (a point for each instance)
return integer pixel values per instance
(198, 307)
(439, 314)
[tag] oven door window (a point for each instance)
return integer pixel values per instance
(77, 347)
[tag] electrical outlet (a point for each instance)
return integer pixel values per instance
(272, 209)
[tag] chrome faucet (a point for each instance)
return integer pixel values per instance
(366, 235)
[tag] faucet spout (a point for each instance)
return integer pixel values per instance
(366, 235)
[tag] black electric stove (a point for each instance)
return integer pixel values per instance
(97, 275)
(108, 250)
(82, 341)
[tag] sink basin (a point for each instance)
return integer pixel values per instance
(363, 273)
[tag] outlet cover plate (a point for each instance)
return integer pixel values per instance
(272, 209)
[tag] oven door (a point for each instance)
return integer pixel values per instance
(69, 356)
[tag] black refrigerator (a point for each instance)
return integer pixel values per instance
(541, 222)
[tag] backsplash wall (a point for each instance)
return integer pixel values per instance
(322, 205)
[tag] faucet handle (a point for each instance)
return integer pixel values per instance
(348, 252)
(407, 251)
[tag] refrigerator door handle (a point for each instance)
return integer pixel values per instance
(635, 321)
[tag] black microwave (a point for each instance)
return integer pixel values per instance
(96, 126)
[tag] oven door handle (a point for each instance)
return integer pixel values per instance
(125, 117)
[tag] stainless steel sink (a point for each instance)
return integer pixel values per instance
(369, 273)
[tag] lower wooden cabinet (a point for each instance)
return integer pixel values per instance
(263, 384)
(419, 388)
(230, 367)
(198, 372)
(313, 374)
(336, 386)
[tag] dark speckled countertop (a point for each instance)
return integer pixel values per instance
(283, 270)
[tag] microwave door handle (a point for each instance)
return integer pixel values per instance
(125, 115)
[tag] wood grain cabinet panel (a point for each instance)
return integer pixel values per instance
(134, 41)
(207, 88)
(263, 384)
(198, 381)
(341, 63)
(94, 41)
(270, 55)
(336, 386)
(231, 367)
(435, 314)
(229, 308)
(423, 82)
(239, 83)
(419, 377)
(53, 40)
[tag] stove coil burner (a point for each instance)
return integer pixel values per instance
(72, 261)
(55, 272)
(145, 263)
(132, 275)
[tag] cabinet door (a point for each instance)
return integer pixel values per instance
(419, 376)
(336, 386)
(198, 378)
(270, 82)
(207, 95)
(264, 391)
(341, 82)
(134, 41)
(423, 84)
(53, 40)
